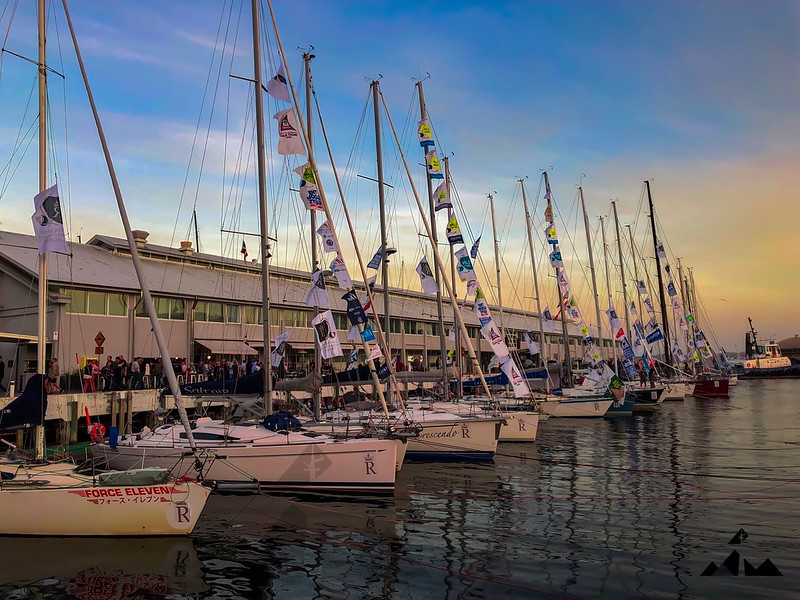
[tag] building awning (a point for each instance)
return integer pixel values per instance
(6, 337)
(226, 347)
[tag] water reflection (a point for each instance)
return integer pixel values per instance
(99, 569)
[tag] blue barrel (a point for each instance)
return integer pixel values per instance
(113, 437)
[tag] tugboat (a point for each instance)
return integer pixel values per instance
(765, 359)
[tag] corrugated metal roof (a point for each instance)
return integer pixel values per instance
(104, 262)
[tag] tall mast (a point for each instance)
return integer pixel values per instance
(317, 396)
(660, 279)
(456, 330)
(543, 344)
(41, 346)
(326, 207)
(497, 267)
(567, 358)
(685, 301)
(437, 256)
(382, 203)
(262, 207)
(608, 287)
(591, 265)
(635, 268)
(622, 270)
(147, 299)
(423, 110)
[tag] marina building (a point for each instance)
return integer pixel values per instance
(210, 307)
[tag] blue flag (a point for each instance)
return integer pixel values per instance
(473, 253)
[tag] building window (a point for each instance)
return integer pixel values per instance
(395, 326)
(232, 315)
(252, 315)
(166, 308)
(118, 305)
(473, 331)
(296, 318)
(95, 303)
(341, 321)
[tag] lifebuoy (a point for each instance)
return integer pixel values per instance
(97, 432)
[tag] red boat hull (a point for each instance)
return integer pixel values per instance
(710, 387)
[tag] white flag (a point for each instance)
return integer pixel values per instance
(616, 324)
(464, 266)
(276, 357)
(549, 323)
(318, 294)
(441, 198)
(492, 335)
(563, 282)
(288, 133)
(328, 241)
(516, 379)
(48, 222)
(375, 353)
(426, 278)
(425, 133)
(451, 335)
(433, 164)
(328, 339)
(308, 188)
(660, 252)
(641, 287)
(533, 347)
(341, 273)
(277, 88)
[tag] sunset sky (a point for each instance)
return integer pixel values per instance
(699, 97)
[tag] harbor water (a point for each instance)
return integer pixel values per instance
(636, 507)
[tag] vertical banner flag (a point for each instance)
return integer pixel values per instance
(325, 231)
(660, 252)
(339, 270)
(563, 282)
(492, 335)
(371, 285)
(441, 198)
(425, 133)
(549, 324)
(375, 263)
(641, 287)
(48, 222)
(289, 141)
(426, 278)
(616, 324)
(550, 234)
(353, 358)
(355, 312)
(548, 212)
(433, 164)
(530, 340)
(671, 289)
(473, 252)
(244, 251)
(318, 294)
(276, 356)
(453, 232)
(325, 330)
(375, 353)
(555, 259)
(277, 88)
(518, 382)
(466, 271)
(309, 193)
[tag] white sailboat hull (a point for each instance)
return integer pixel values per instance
(678, 390)
(456, 438)
(357, 465)
(517, 426)
(42, 502)
(576, 407)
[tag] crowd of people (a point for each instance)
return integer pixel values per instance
(141, 373)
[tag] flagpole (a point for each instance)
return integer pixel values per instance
(635, 270)
(621, 268)
(497, 268)
(660, 279)
(613, 335)
(591, 265)
(437, 273)
(543, 348)
(456, 330)
(565, 333)
(41, 346)
(375, 85)
(316, 394)
(262, 208)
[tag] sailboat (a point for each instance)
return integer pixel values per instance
(276, 453)
(38, 498)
